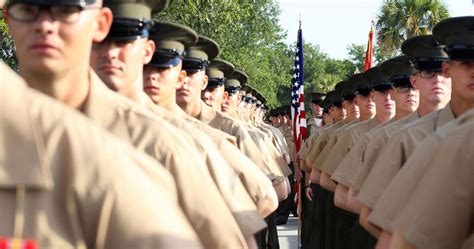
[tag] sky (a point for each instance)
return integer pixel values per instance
(335, 24)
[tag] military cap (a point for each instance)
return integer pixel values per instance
(398, 70)
(362, 86)
(325, 104)
(235, 81)
(198, 56)
(286, 110)
(349, 91)
(317, 97)
(457, 34)
(171, 40)
(331, 96)
(425, 52)
(80, 3)
(132, 18)
(217, 72)
(377, 79)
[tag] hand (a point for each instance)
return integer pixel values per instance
(298, 175)
(309, 193)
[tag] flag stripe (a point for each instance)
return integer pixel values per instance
(298, 114)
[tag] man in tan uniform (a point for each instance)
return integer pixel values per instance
(454, 33)
(58, 190)
(162, 76)
(315, 121)
(431, 205)
(67, 77)
(427, 57)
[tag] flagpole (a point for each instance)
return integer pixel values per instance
(299, 207)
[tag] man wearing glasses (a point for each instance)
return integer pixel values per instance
(435, 92)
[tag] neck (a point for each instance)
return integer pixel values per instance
(426, 107)
(383, 117)
(135, 90)
(459, 106)
(399, 114)
(351, 118)
(193, 108)
(70, 88)
(366, 116)
(169, 103)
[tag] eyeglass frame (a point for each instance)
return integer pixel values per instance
(49, 11)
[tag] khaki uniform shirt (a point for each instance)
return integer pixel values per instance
(329, 140)
(157, 137)
(245, 143)
(66, 183)
(226, 179)
(395, 153)
(290, 140)
(279, 139)
(344, 144)
(314, 124)
(375, 144)
(439, 211)
(351, 164)
(256, 183)
(267, 148)
(318, 142)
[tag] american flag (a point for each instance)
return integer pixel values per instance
(298, 116)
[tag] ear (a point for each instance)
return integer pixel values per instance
(445, 66)
(413, 81)
(181, 77)
(239, 97)
(149, 50)
(103, 24)
(226, 95)
(204, 82)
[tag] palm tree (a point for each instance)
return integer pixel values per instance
(402, 19)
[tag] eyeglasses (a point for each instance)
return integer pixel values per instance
(24, 12)
(428, 74)
(403, 89)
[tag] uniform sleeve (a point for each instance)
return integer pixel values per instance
(441, 209)
(348, 168)
(338, 153)
(385, 168)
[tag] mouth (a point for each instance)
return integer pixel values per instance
(183, 92)
(437, 90)
(151, 89)
(43, 48)
(471, 86)
(109, 68)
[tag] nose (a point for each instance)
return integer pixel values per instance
(45, 22)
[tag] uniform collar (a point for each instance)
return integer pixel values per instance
(207, 113)
(23, 151)
(445, 116)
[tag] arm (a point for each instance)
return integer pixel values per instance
(384, 241)
(354, 204)
(327, 183)
(340, 197)
(372, 229)
(399, 242)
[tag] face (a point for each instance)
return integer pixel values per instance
(435, 89)
(327, 118)
(120, 63)
(406, 99)
(462, 77)
(274, 121)
(366, 104)
(190, 90)
(213, 97)
(351, 108)
(161, 83)
(337, 113)
(47, 46)
(316, 109)
(230, 102)
(384, 103)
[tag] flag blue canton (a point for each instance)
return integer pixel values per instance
(298, 73)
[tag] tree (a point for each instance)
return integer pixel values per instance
(402, 19)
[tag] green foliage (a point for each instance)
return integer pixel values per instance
(402, 19)
(7, 52)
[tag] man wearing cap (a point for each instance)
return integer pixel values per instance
(316, 120)
(454, 33)
(188, 97)
(399, 70)
(81, 89)
(427, 57)
(65, 157)
(163, 75)
(338, 171)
